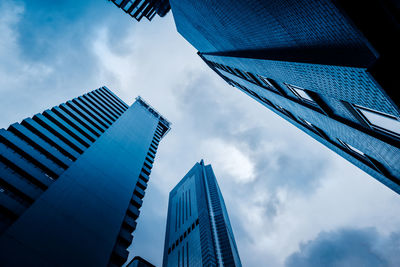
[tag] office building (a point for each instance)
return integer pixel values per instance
(325, 66)
(198, 231)
(139, 262)
(138, 9)
(72, 180)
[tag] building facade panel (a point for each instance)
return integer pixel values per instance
(198, 231)
(260, 25)
(138, 9)
(85, 212)
(385, 153)
(322, 65)
(354, 85)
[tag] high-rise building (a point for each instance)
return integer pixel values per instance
(139, 262)
(138, 9)
(198, 231)
(325, 66)
(72, 180)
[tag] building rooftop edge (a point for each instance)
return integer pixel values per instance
(140, 259)
(162, 119)
(181, 181)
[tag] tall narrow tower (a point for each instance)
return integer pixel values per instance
(72, 181)
(198, 230)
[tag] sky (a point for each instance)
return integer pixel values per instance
(291, 201)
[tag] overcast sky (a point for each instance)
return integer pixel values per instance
(291, 201)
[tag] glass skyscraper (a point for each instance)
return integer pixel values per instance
(139, 262)
(138, 9)
(198, 231)
(325, 66)
(72, 180)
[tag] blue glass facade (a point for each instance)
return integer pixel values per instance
(138, 9)
(198, 231)
(73, 179)
(321, 65)
(139, 262)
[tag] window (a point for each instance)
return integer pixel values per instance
(307, 123)
(118, 2)
(351, 148)
(128, 5)
(266, 82)
(287, 113)
(230, 70)
(222, 67)
(249, 76)
(314, 129)
(300, 93)
(379, 120)
(239, 73)
(266, 101)
(371, 162)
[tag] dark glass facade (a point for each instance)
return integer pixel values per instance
(138, 9)
(198, 231)
(139, 262)
(324, 66)
(72, 180)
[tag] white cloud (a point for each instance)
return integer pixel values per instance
(245, 144)
(346, 198)
(263, 164)
(229, 160)
(14, 70)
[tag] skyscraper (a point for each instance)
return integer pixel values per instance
(322, 65)
(139, 262)
(72, 181)
(138, 9)
(198, 231)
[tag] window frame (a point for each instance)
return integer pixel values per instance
(266, 82)
(359, 109)
(351, 148)
(315, 129)
(239, 73)
(367, 160)
(293, 89)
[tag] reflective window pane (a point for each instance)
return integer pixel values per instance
(381, 120)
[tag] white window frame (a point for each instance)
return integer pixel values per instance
(351, 148)
(267, 82)
(365, 157)
(360, 109)
(294, 89)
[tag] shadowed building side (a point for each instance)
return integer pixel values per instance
(321, 65)
(72, 180)
(139, 262)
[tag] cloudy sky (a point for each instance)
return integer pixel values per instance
(291, 201)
